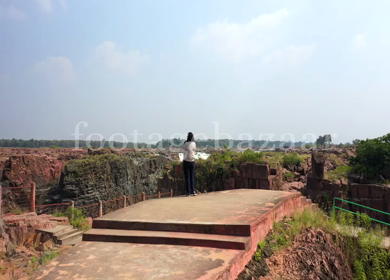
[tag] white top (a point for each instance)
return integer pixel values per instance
(189, 151)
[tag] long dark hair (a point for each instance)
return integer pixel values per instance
(190, 137)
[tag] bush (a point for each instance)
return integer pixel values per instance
(289, 176)
(250, 156)
(292, 159)
(341, 172)
(77, 219)
(372, 156)
(75, 216)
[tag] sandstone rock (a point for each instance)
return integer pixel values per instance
(255, 170)
(317, 165)
(23, 170)
(313, 183)
(293, 186)
(21, 229)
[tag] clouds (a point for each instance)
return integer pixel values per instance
(359, 41)
(57, 70)
(46, 6)
(12, 13)
(235, 42)
(289, 57)
(112, 57)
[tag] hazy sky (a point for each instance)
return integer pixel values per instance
(176, 66)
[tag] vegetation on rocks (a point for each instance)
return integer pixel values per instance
(362, 250)
(292, 159)
(338, 174)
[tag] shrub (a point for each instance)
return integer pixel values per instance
(75, 216)
(341, 172)
(372, 156)
(48, 256)
(250, 156)
(77, 219)
(289, 176)
(292, 159)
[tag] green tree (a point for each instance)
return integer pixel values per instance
(372, 156)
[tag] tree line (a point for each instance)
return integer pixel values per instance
(167, 143)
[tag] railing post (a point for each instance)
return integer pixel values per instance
(100, 208)
(72, 207)
(1, 199)
(159, 195)
(171, 192)
(333, 209)
(124, 201)
(143, 196)
(33, 190)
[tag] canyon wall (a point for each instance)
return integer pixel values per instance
(105, 177)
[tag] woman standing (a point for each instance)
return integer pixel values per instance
(189, 163)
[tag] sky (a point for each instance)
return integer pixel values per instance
(217, 68)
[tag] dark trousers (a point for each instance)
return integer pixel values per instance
(189, 173)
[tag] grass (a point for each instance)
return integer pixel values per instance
(76, 218)
(48, 256)
(288, 176)
(292, 159)
(341, 172)
(16, 211)
(274, 159)
(334, 159)
(367, 259)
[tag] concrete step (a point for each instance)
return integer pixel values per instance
(223, 229)
(70, 238)
(65, 233)
(170, 238)
(55, 231)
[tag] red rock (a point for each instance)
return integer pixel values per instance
(255, 170)
(23, 170)
(317, 165)
(21, 228)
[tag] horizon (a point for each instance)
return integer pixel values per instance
(212, 67)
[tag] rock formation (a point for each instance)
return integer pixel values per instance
(322, 190)
(108, 176)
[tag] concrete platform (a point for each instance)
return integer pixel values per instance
(233, 220)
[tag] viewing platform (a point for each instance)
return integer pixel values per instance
(209, 236)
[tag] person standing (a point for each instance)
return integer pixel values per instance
(189, 163)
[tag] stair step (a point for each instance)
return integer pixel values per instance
(171, 238)
(65, 233)
(69, 238)
(56, 230)
(223, 229)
